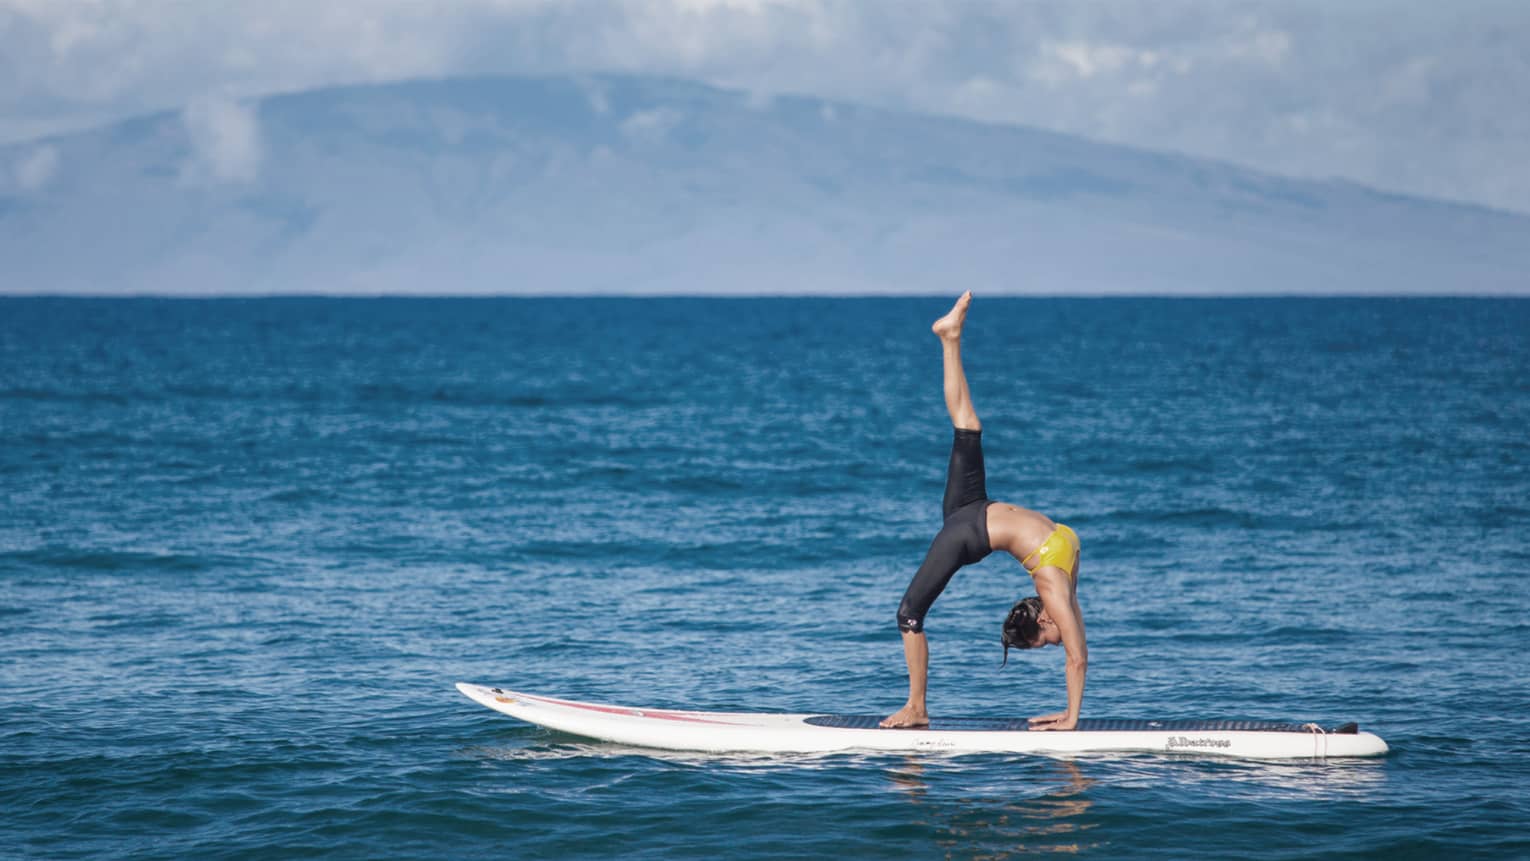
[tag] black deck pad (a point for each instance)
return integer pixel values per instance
(976, 724)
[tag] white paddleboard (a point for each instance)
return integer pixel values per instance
(721, 732)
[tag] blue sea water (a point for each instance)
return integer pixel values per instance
(246, 547)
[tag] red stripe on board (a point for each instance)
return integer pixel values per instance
(619, 710)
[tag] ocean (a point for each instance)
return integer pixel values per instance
(248, 546)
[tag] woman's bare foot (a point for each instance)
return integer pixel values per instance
(949, 327)
(906, 717)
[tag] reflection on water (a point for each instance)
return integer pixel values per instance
(1252, 779)
(909, 778)
(981, 807)
(1000, 826)
(978, 806)
(1064, 778)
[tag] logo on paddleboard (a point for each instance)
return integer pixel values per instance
(1201, 742)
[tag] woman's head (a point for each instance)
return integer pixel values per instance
(1023, 626)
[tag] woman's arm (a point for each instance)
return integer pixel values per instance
(1061, 603)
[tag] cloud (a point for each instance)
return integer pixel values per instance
(1061, 60)
(595, 94)
(1408, 95)
(37, 168)
(650, 126)
(225, 140)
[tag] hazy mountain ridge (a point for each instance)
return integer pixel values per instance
(621, 184)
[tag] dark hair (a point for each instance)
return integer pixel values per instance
(1020, 629)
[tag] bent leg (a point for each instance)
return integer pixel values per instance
(916, 653)
(962, 541)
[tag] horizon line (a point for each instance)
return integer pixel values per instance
(211, 297)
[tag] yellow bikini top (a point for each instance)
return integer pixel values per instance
(1060, 550)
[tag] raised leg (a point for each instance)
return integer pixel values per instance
(949, 551)
(958, 396)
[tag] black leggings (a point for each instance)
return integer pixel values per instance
(963, 538)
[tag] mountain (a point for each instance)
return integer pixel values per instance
(618, 185)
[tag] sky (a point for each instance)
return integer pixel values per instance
(1412, 96)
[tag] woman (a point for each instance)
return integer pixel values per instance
(976, 526)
